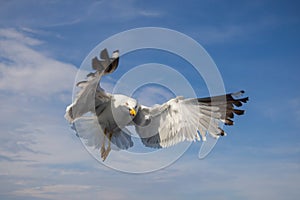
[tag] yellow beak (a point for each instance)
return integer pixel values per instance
(132, 112)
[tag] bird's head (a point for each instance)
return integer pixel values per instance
(125, 107)
(132, 107)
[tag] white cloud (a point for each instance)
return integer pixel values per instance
(12, 34)
(150, 13)
(115, 10)
(25, 70)
(34, 134)
(52, 191)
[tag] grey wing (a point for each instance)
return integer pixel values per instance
(186, 119)
(91, 97)
(122, 139)
(88, 128)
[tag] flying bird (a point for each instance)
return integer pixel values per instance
(160, 126)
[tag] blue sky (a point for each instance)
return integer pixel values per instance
(255, 45)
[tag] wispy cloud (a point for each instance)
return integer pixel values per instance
(33, 131)
(55, 13)
(25, 70)
(149, 13)
(52, 191)
(11, 34)
(120, 10)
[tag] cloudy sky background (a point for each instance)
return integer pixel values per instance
(255, 45)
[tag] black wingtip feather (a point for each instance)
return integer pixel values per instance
(227, 102)
(237, 103)
(230, 115)
(244, 100)
(112, 66)
(222, 133)
(238, 112)
(228, 122)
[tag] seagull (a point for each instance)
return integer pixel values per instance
(160, 126)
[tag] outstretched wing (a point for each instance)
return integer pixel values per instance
(184, 119)
(92, 97)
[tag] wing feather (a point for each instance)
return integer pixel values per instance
(182, 119)
(92, 97)
(89, 130)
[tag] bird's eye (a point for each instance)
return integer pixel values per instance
(126, 104)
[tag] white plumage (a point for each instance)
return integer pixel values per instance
(159, 126)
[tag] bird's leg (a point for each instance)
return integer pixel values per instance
(108, 148)
(109, 143)
(103, 145)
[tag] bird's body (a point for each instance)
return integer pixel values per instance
(115, 115)
(160, 126)
(113, 118)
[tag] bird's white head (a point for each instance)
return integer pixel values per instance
(131, 104)
(127, 104)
